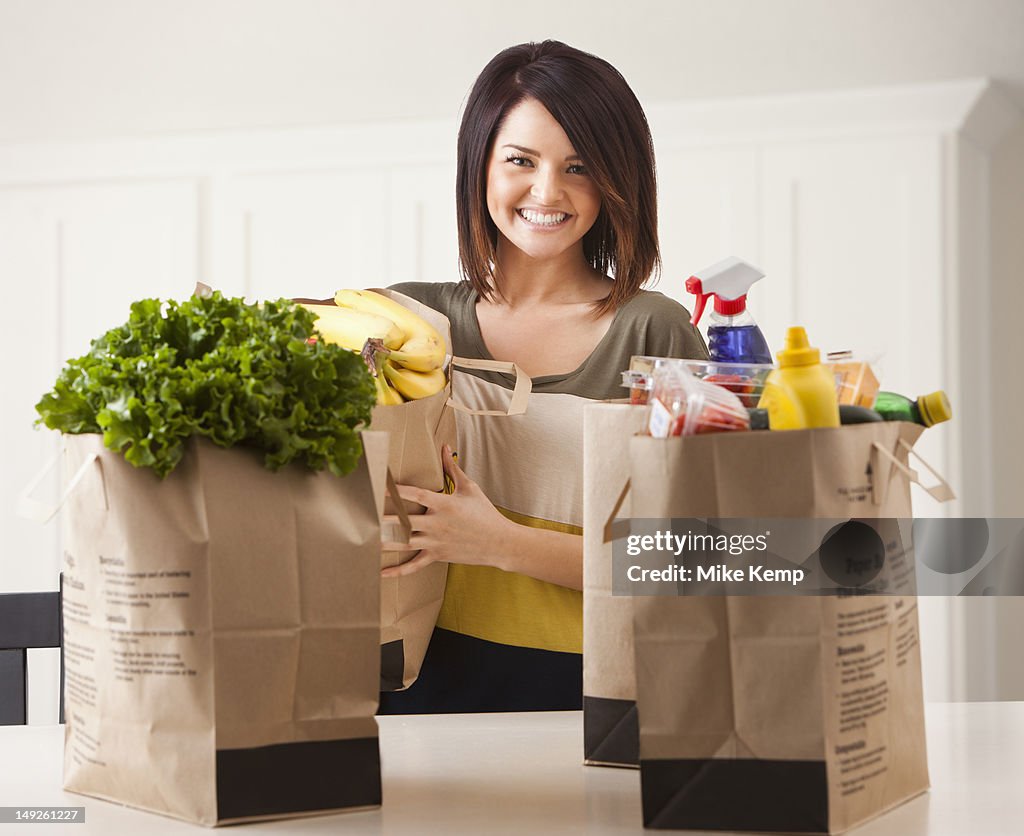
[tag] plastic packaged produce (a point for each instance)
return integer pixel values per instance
(745, 380)
(801, 392)
(733, 336)
(927, 410)
(682, 404)
(639, 377)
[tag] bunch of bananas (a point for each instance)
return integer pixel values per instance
(405, 353)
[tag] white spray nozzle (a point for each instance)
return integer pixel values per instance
(727, 280)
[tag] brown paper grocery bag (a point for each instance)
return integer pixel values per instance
(610, 733)
(417, 429)
(222, 634)
(409, 605)
(797, 714)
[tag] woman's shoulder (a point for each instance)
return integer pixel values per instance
(662, 325)
(655, 306)
(440, 296)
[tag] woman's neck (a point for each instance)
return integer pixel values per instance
(566, 279)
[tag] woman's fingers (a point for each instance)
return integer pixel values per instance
(416, 541)
(421, 561)
(431, 499)
(417, 522)
(451, 467)
(395, 546)
(421, 496)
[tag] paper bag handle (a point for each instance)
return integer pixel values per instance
(396, 500)
(520, 394)
(42, 512)
(614, 528)
(942, 491)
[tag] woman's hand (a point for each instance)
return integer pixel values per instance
(461, 527)
(464, 527)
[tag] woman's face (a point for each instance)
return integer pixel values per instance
(539, 195)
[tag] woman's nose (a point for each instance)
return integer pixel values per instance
(547, 186)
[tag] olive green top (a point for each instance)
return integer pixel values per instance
(649, 324)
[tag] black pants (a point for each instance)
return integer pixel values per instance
(462, 674)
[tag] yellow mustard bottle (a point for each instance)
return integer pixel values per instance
(801, 392)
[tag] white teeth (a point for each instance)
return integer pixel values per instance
(544, 220)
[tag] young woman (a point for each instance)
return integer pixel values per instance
(557, 221)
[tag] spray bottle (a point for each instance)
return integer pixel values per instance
(733, 336)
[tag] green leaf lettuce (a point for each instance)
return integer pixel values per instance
(216, 367)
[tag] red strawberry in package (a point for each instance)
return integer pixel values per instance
(683, 404)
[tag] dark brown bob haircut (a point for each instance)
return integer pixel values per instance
(606, 125)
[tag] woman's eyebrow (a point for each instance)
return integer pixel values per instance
(537, 153)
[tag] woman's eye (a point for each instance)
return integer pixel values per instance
(578, 168)
(518, 161)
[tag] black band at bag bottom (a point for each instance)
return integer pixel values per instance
(298, 777)
(719, 794)
(392, 665)
(611, 733)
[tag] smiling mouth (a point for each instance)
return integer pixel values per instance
(542, 219)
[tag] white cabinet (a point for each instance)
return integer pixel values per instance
(72, 259)
(311, 233)
(707, 209)
(423, 244)
(300, 234)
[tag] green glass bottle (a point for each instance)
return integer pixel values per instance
(926, 410)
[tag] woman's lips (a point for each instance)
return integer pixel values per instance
(543, 220)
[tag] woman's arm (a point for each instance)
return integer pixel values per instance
(465, 527)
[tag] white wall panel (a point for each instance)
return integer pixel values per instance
(74, 258)
(30, 348)
(852, 234)
(302, 233)
(424, 244)
(707, 210)
(118, 244)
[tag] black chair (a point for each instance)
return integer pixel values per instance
(27, 620)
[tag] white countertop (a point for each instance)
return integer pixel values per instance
(523, 773)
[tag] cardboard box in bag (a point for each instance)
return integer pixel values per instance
(222, 634)
(748, 719)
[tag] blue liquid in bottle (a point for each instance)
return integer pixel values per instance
(738, 344)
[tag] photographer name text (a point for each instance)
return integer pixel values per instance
(718, 573)
(673, 544)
